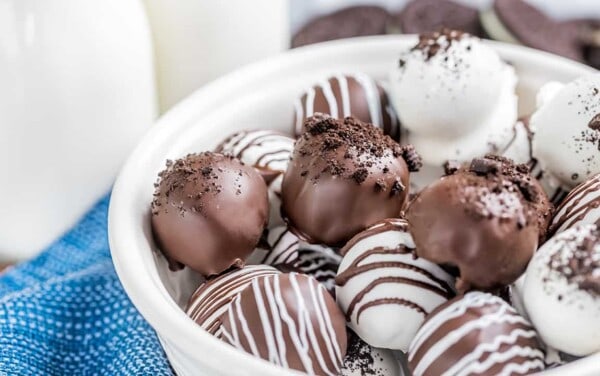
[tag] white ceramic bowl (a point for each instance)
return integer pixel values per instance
(259, 96)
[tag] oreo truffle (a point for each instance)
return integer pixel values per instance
(344, 176)
(384, 290)
(485, 219)
(476, 334)
(561, 292)
(195, 212)
(290, 320)
(344, 95)
(211, 299)
(581, 206)
(284, 251)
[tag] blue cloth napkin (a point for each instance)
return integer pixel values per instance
(65, 312)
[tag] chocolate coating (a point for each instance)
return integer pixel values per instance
(196, 210)
(344, 176)
(485, 219)
(290, 320)
(476, 334)
(345, 95)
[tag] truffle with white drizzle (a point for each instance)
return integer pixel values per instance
(290, 320)
(288, 253)
(562, 290)
(212, 298)
(384, 290)
(342, 95)
(269, 153)
(475, 334)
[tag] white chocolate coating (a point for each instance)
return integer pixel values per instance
(457, 104)
(563, 141)
(564, 311)
(363, 359)
(385, 291)
(269, 152)
(581, 206)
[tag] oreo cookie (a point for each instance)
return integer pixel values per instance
(421, 16)
(516, 21)
(346, 23)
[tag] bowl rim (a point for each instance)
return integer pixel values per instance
(131, 267)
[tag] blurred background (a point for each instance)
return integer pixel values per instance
(81, 81)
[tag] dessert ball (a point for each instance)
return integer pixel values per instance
(582, 205)
(344, 95)
(362, 359)
(485, 218)
(267, 151)
(289, 320)
(212, 298)
(344, 176)
(286, 252)
(384, 290)
(455, 97)
(196, 210)
(566, 128)
(562, 290)
(476, 334)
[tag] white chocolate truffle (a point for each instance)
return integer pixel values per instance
(476, 334)
(212, 298)
(581, 206)
(562, 290)
(267, 151)
(285, 251)
(566, 127)
(384, 290)
(363, 359)
(455, 96)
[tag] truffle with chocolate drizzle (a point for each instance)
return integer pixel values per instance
(485, 219)
(343, 177)
(386, 291)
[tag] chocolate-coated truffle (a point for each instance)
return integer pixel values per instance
(211, 299)
(475, 334)
(290, 320)
(209, 211)
(345, 95)
(486, 219)
(344, 176)
(384, 290)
